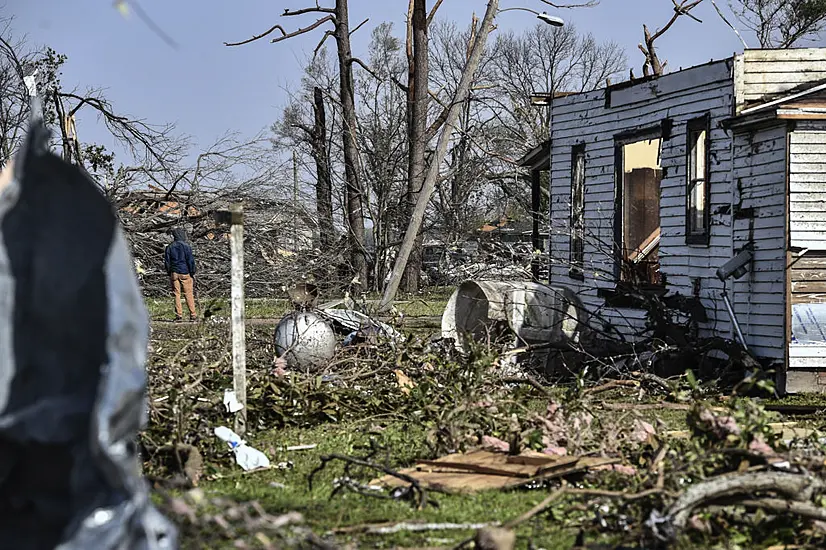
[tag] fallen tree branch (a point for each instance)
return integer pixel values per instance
(795, 487)
(530, 381)
(304, 30)
(612, 385)
(803, 509)
(414, 483)
(407, 527)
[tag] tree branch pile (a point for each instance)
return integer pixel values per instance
(280, 245)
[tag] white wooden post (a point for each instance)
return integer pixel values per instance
(239, 355)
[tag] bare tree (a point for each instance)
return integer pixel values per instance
(338, 16)
(417, 104)
(14, 106)
(462, 91)
(418, 100)
(461, 198)
(781, 23)
(652, 65)
(541, 57)
(153, 147)
(383, 142)
(307, 128)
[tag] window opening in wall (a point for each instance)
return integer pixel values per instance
(697, 218)
(577, 243)
(639, 207)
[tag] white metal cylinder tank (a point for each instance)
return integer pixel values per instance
(534, 312)
(305, 340)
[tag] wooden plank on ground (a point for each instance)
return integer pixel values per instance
(485, 470)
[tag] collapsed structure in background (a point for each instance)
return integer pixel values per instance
(658, 182)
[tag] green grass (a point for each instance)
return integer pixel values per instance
(324, 513)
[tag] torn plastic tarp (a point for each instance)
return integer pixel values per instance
(73, 338)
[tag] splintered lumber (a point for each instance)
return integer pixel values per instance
(485, 470)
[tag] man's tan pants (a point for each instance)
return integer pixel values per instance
(178, 280)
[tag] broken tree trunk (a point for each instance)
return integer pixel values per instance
(652, 65)
(417, 105)
(324, 186)
(468, 74)
(355, 208)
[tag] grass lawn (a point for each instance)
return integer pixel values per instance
(427, 305)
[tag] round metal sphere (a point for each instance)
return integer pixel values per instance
(305, 340)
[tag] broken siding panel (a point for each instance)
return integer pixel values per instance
(771, 73)
(592, 123)
(759, 174)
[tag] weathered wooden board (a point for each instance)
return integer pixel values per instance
(808, 262)
(806, 381)
(485, 470)
(769, 73)
(809, 286)
(773, 73)
(798, 157)
(784, 56)
(808, 275)
(796, 362)
(808, 187)
(802, 298)
(808, 137)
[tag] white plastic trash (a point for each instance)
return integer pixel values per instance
(231, 402)
(246, 457)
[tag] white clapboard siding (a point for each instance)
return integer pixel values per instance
(766, 74)
(584, 118)
(759, 177)
(807, 188)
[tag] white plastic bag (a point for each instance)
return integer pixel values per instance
(246, 457)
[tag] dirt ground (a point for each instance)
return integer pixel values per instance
(392, 406)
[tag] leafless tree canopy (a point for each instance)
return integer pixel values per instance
(531, 62)
(14, 56)
(781, 23)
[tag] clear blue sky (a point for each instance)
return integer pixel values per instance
(207, 89)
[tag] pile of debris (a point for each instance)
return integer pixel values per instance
(279, 241)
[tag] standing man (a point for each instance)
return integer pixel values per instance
(180, 266)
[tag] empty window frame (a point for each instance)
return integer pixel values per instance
(637, 214)
(577, 239)
(697, 185)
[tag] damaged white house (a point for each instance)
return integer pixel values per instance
(658, 182)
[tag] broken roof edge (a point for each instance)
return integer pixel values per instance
(768, 111)
(535, 157)
(816, 86)
(625, 84)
